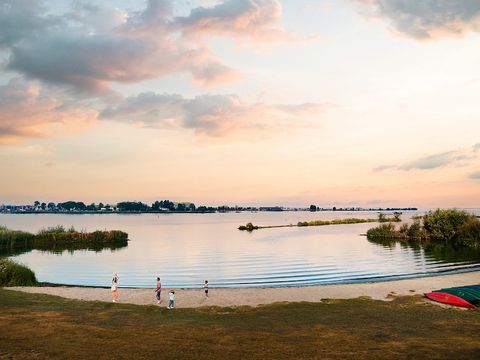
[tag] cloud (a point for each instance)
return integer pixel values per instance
(428, 19)
(89, 47)
(210, 115)
(456, 158)
(26, 111)
(253, 19)
(476, 147)
(19, 20)
(430, 162)
(475, 175)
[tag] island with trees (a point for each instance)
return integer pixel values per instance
(453, 227)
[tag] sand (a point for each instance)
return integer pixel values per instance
(191, 298)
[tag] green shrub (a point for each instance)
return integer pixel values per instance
(383, 231)
(469, 234)
(14, 274)
(444, 224)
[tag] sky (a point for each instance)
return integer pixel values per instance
(241, 102)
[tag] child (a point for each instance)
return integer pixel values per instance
(115, 287)
(205, 287)
(158, 290)
(171, 296)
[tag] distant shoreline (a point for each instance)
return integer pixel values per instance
(200, 212)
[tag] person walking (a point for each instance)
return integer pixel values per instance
(171, 302)
(115, 288)
(158, 290)
(205, 287)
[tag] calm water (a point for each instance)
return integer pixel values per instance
(186, 249)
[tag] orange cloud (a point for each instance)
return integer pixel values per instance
(26, 112)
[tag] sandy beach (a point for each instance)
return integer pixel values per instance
(191, 298)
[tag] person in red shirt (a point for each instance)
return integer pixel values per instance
(158, 290)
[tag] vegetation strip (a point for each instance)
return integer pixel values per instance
(453, 227)
(58, 239)
(381, 218)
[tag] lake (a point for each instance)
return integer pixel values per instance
(187, 249)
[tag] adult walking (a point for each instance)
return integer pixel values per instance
(158, 291)
(115, 288)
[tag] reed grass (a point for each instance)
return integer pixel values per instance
(58, 239)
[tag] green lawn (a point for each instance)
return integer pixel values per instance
(42, 326)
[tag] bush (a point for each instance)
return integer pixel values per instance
(444, 224)
(248, 227)
(14, 274)
(383, 231)
(469, 234)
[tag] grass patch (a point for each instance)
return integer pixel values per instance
(406, 328)
(14, 274)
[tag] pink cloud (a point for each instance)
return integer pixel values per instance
(26, 112)
(257, 20)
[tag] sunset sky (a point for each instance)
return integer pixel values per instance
(239, 102)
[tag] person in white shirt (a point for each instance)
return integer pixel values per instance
(115, 287)
(171, 301)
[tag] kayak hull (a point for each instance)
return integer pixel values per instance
(449, 299)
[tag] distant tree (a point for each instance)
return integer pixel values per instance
(91, 207)
(72, 205)
(51, 206)
(36, 203)
(43, 206)
(181, 207)
(100, 205)
(313, 208)
(132, 206)
(191, 207)
(334, 208)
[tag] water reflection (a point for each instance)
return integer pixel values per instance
(438, 251)
(187, 249)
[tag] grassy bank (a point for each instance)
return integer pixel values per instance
(381, 218)
(59, 239)
(43, 326)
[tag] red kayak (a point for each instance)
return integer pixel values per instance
(449, 299)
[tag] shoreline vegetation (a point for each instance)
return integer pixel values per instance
(381, 218)
(58, 239)
(450, 227)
